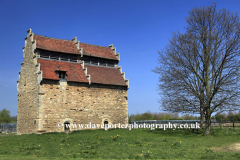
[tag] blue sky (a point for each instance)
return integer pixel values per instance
(137, 28)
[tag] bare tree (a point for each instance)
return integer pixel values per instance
(199, 70)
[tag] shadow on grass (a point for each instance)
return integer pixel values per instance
(183, 132)
(188, 132)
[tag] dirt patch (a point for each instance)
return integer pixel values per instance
(232, 148)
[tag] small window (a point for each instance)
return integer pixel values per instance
(102, 63)
(87, 61)
(111, 64)
(54, 56)
(95, 62)
(64, 58)
(61, 74)
(72, 58)
(44, 55)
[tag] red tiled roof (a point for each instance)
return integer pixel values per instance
(74, 71)
(104, 75)
(98, 51)
(56, 45)
(67, 46)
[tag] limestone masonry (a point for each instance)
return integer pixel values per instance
(69, 82)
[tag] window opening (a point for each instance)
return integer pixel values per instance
(61, 74)
(64, 58)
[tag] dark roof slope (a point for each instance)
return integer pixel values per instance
(56, 45)
(97, 51)
(104, 75)
(74, 71)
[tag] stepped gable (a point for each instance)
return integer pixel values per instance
(98, 51)
(104, 75)
(56, 45)
(74, 71)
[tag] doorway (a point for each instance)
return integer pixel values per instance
(67, 127)
(106, 124)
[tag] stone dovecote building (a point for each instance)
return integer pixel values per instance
(69, 82)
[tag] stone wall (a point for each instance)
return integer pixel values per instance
(79, 103)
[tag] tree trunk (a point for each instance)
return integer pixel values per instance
(201, 115)
(202, 121)
(208, 122)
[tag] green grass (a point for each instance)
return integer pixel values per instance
(121, 144)
(11, 133)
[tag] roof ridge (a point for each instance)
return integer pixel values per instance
(94, 45)
(70, 40)
(53, 38)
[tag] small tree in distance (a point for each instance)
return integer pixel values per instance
(219, 117)
(5, 116)
(199, 70)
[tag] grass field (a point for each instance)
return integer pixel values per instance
(123, 144)
(10, 134)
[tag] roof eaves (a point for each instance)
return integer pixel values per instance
(59, 51)
(105, 57)
(110, 84)
(51, 79)
(94, 45)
